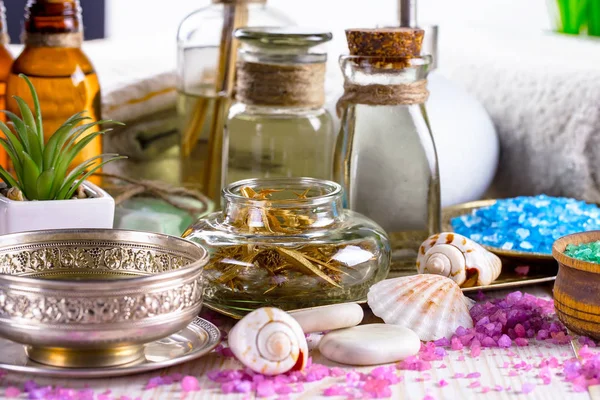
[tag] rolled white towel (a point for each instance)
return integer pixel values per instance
(543, 94)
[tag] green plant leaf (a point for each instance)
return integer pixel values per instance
(38, 111)
(80, 131)
(89, 173)
(51, 149)
(14, 141)
(35, 151)
(19, 128)
(44, 184)
(78, 170)
(30, 177)
(12, 154)
(27, 118)
(8, 179)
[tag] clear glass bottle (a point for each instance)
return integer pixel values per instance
(385, 154)
(63, 75)
(288, 243)
(278, 127)
(206, 68)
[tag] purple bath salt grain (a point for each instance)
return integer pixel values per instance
(529, 224)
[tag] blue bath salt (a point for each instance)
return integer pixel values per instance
(528, 224)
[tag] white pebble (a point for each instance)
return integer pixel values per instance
(328, 318)
(370, 344)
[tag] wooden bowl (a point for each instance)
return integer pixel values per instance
(576, 294)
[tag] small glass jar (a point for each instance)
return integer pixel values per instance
(278, 126)
(206, 62)
(385, 156)
(288, 243)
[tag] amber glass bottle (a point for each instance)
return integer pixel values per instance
(6, 60)
(52, 58)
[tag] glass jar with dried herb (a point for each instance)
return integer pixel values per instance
(206, 60)
(288, 243)
(278, 126)
(385, 155)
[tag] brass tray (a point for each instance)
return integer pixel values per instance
(457, 210)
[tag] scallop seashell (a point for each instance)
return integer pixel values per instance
(459, 258)
(269, 341)
(433, 306)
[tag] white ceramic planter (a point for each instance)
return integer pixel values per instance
(95, 212)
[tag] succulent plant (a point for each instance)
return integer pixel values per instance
(42, 167)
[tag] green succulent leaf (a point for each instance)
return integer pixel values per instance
(35, 151)
(44, 184)
(58, 139)
(27, 118)
(89, 173)
(14, 141)
(30, 177)
(20, 128)
(12, 153)
(8, 179)
(37, 108)
(76, 172)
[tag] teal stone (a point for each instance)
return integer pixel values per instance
(156, 215)
(589, 252)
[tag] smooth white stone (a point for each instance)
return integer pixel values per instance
(329, 318)
(370, 344)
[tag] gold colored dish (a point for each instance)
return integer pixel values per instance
(457, 210)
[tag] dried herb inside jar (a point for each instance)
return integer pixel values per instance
(277, 265)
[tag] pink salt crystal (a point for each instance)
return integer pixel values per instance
(513, 373)
(475, 348)
(520, 331)
(474, 384)
(442, 342)
(442, 366)
(456, 344)
(522, 270)
(12, 391)
(498, 388)
(504, 341)
(527, 388)
(521, 342)
(189, 384)
(460, 358)
(442, 383)
(335, 390)
(474, 375)
(485, 389)
(265, 389)
(458, 375)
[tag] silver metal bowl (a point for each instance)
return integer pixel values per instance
(94, 297)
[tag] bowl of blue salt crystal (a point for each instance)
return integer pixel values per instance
(522, 227)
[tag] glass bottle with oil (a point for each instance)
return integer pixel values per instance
(64, 77)
(6, 60)
(206, 73)
(278, 126)
(385, 155)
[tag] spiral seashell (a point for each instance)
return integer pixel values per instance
(465, 262)
(269, 341)
(433, 306)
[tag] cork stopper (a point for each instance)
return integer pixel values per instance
(385, 42)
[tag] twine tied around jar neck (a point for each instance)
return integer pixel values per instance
(298, 85)
(383, 95)
(65, 40)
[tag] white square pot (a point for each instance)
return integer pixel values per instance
(95, 212)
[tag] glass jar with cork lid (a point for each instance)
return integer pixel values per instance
(288, 243)
(278, 126)
(385, 155)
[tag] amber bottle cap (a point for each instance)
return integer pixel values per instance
(385, 42)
